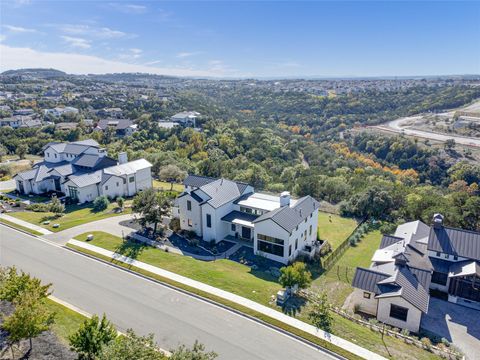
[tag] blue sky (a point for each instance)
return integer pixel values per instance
(239, 39)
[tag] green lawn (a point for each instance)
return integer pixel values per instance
(167, 186)
(334, 228)
(224, 274)
(74, 215)
(66, 321)
(34, 198)
(361, 254)
(239, 279)
(20, 227)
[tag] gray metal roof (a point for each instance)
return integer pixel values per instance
(119, 124)
(221, 192)
(86, 179)
(388, 240)
(197, 180)
(288, 217)
(367, 279)
(441, 266)
(453, 241)
(412, 289)
(239, 215)
(94, 161)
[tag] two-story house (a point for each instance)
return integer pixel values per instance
(277, 227)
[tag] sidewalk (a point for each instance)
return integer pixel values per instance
(25, 224)
(353, 348)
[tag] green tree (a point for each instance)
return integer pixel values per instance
(449, 145)
(131, 346)
(151, 206)
(94, 333)
(171, 174)
(13, 285)
(3, 152)
(120, 202)
(295, 274)
(22, 150)
(56, 206)
(320, 315)
(197, 352)
(100, 203)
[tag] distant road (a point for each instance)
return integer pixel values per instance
(130, 301)
(398, 126)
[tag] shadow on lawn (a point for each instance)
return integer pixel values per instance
(131, 249)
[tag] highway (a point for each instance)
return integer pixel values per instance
(130, 301)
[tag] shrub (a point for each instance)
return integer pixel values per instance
(175, 224)
(326, 248)
(296, 274)
(56, 206)
(427, 344)
(37, 207)
(405, 332)
(100, 203)
(120, 202)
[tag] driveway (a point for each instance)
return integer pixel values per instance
(110, 225)
(458, 324)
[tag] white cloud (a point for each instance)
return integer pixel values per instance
(18, 58)
(131, 54)
(186, 54)
(77, 42)
(91, 31)
(19, 29)
(129, 8)
(3, 37)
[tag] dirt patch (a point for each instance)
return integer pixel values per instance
(47, 346)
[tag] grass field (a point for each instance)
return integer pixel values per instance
(66, 321)
(74, 215)
(20, 227)
(224, 274)
(238, 279)
(334, 228)
(167, 186)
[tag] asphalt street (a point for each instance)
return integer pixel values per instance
(130, 301)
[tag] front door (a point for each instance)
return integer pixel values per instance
(57, 184)
(246, 233)
(21, 190)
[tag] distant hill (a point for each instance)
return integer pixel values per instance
(38, 73)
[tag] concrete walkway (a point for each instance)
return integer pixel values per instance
(109, 225)
(353, 348)
(7, 185)
(25, 224)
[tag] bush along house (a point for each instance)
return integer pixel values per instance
(277, 227)
(415, 261)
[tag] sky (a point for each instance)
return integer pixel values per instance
(243, 38)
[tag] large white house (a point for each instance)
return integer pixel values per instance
(415, 260)
(82, 171)
(279, 227)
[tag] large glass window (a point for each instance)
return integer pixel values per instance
(270, 244)
(439, 278)
(398, 312)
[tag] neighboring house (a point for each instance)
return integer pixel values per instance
(116, 113)
(82, 171)
(416, 259)
(66, 126)
(122, 127)
(24, 112)
(13, 122)
(167, 124)
(19, 121)
(278, 227)
(186, 118)
(59, 111)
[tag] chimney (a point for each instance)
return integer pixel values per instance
(285, 199)
(122, 158)
(437, 221)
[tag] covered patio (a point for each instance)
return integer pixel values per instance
(241, 225)
(465, 283)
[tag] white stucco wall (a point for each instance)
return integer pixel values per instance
(219, 228)
(114, 187)
(194, 214)
(270, 228)
(368, 306)
(413, 318)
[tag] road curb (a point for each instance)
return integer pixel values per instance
(213, 302)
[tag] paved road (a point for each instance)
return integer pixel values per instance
(399, 126)
(110, 225)
(130, 301)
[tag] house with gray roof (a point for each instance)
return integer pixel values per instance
(82, 171)
(277, 227)
(409, 264)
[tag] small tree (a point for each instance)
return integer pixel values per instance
(22, 150)
(197, 352)
(100, 203)
(30, 318)
(3, 152)
(13, 285)
(56, 207)
(320, 314)
(131, 346)
(449, 144)
(94, 333)
(120, 202)
(171, 174)
(296, 274)
(151, 206)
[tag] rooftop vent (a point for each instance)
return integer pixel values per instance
(437, 221)
(122, 158)
(285, 199)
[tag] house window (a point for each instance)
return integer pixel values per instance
(305, 234)
(118, 184)
(310, 230)
(189, 205)
(366, 295)
(124, 180)
(270, 244)
(48, 154)
(398, 312)
(438, 253)
(296, 243)
(296, 229)
(305, 220)
(439, 278)
(106, 188)
(446, 256)
(131, 179)
(55, 156)
(209, 220)
(234, 228)
(455, 257)
(289, 250)
(311, 215)
(190, 222)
